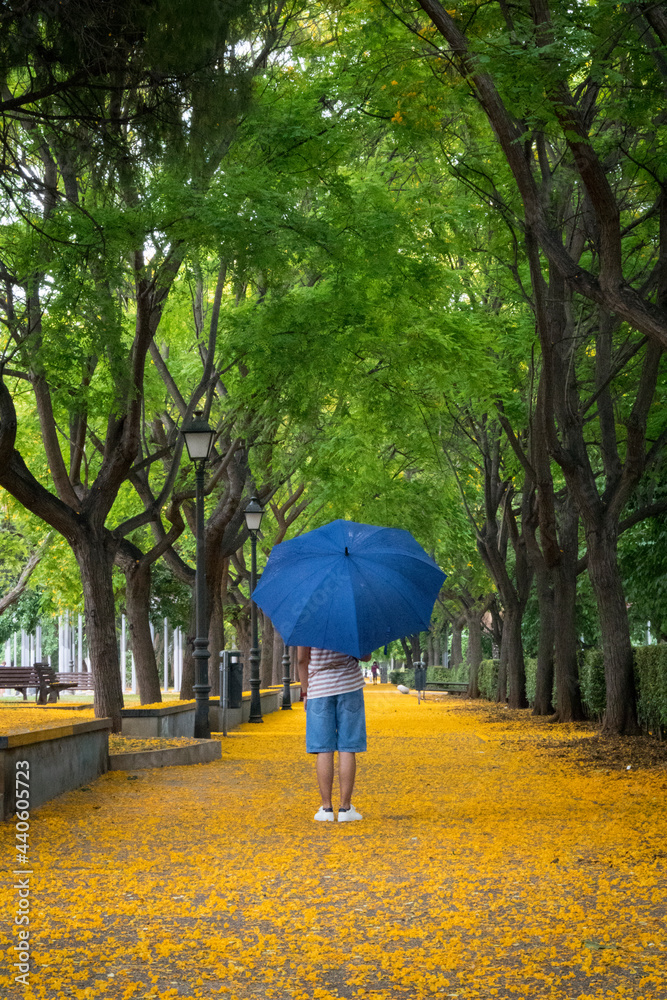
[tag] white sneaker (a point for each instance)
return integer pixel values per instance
(348, 815)
(324, 815)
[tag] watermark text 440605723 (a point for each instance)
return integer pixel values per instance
(22, 872)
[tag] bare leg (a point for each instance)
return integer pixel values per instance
(347, 769)
(324, 766)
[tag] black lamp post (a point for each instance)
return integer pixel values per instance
(254, 513)
(287, 694)
(198, 440)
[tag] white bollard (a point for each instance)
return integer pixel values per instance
(179, 660)
(166, 656)
(66, 642)
(123, 653)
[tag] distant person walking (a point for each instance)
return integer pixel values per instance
(374, 671)
(332, 685)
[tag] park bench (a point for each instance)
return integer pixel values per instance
(22, 678)
(82, 681)
(452, 687)
(54, 682)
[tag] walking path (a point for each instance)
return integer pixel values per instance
(497, 858)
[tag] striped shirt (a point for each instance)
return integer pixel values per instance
(330, 673)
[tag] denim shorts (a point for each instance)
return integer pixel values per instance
(337, 722)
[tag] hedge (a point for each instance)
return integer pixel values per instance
(488, 676)
(434, 675)
(591, 680)
(650, 678)
(487, 679)
(406, 677)
(530, 663)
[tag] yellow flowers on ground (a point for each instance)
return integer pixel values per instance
(23, 717)
(499, 856)
(127, 744)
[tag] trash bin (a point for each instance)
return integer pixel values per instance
(383, 674)
(235, 690)
(420, 676)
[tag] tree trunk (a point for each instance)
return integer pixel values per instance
(474, 653)
(158, 648)
(496, 630)
(188, 678)
(266, 661)
(501, 691)
(569, 706)
(138, 593)
(216, 642)
(243, 640)
(544, 680)
(457, 649)
(95, 558)
(512, 650)
(278, 648)
(620, 715)
(412, 649)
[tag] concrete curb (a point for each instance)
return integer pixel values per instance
(64, 707)
(202, 752)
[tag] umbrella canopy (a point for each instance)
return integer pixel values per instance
(349, 587)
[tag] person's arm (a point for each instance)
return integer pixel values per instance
(302, 661)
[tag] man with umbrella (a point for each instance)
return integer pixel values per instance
(338, 593)
(332, 685)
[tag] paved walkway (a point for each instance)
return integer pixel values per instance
(491, 862)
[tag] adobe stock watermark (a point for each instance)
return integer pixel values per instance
(21, 948)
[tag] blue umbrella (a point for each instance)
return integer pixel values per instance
(349, 587)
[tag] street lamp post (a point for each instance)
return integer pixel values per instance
(287, 694)
(254, 513)
(198, 440)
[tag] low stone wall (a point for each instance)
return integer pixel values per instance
(59, 760)
(271, 700)
(202, 752)
(179, 720)
(167, 720)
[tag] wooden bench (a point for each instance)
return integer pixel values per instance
(22, 678)
(54, 682)
(82, 681)
(452, 687)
